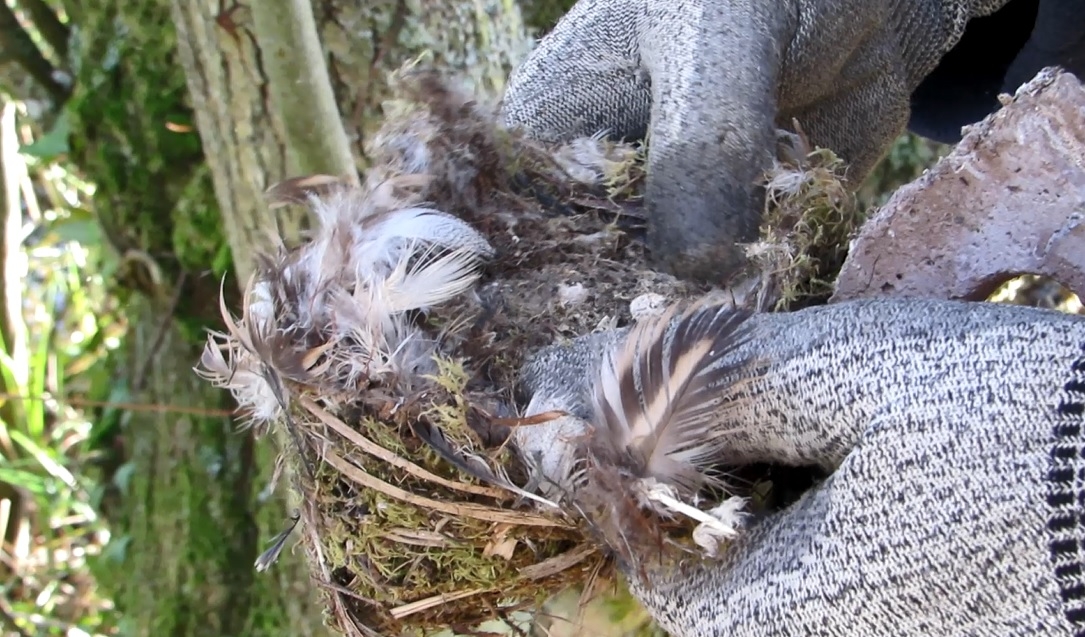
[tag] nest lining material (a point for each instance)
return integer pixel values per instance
(383, 353)
(810, 218)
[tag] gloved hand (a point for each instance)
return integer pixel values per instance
(954, 434)
(709, 82)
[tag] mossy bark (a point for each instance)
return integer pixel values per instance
(189, 521)
(192, 522)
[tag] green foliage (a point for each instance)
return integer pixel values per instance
(48, 357)
(52, 144)
(906, 160)
(198, 240)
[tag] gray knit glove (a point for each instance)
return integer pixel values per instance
(955, 504)
(710, 81)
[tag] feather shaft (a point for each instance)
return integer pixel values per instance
(432, 436)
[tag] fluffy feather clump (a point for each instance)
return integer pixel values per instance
(336, 314)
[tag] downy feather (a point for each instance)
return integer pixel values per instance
(432, 279)
(387, 235)
(334, 312)
(226, 365)
(660, 397)
(259, 353)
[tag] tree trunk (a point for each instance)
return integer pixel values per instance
(242, 125)
(189, 524)
(193, 522)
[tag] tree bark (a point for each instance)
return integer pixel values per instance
(190, 522)
(242, 127)
(1008, 200)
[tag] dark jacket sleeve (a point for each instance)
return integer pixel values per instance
(997, 53)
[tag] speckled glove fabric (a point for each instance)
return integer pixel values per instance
(709, 81)
(953, 433)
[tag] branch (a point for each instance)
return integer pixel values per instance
(300, 87)
(17, 43)
(45, 20)
(1009, 200)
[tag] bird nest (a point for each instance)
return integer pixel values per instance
(383, 353)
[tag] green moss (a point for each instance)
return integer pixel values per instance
(397, 551)
(198, 238)
(810, 216)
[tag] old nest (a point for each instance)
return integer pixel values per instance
(383, 354)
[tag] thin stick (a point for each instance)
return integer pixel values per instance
(381, 453)
(437, 600)
(477, 512)
(558, 563)
(528, 421)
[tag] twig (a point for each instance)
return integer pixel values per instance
(345, 591)
(13, 325)
(159, 336)
(527, 421)
(381, 453)
(474, 511)
(558, 563)
(126, 406)
(437, 600)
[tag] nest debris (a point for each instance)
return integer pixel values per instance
(383, 354)
(810, 217)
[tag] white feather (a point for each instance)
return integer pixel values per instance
(239, 372)
(388, 235)
(261, 305)
(369, 262)
(432, 280)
